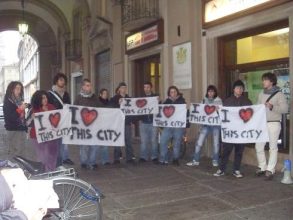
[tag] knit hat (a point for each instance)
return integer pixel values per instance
(238, 83)
(121, 84)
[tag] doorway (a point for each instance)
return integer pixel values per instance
(147, 69)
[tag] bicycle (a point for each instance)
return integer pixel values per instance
(77, 198)
(170, 146)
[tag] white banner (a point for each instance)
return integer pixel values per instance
(52, 125)
(171, 115)
(204, 114)
(140, 106)
(245, 124)
(95, 126)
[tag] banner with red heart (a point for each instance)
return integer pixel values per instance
(55, 119)
(246, 114)
(140, 103)
(209, 109)
(168, 111)
(88, 116)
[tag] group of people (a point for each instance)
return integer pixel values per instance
(54, 153)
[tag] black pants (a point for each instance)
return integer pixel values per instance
(227, 149)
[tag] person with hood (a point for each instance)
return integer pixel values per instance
(14, 118)
(174, 97)
(236, 99)
(211, 98)
(58, 96)
(88, 153)
(276, 105)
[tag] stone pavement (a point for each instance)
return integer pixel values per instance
(149, 191)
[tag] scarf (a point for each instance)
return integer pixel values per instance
(272, 90)
(85, 94)
(59, 90)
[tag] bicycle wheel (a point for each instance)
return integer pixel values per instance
(77, 200)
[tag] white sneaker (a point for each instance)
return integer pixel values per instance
(219, 173)
(215, 163)
(192, 163)
(237, 174)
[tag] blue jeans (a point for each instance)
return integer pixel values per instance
(148, 138)
(88, 154)
(167, 135)
(204, 131)
(103, 154)
(128, 145)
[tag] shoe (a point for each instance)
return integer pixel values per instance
(106, 164)
(192, 163)
(269, 175)
(237, 174)
(259, 172)
(219, 173)
(142, 160)
(176, 162)
(83, 166)
(116, 162)
(93, 167)
(163, 163)
(130, 161)
(68, 161)
(215, 163)
(59, 168)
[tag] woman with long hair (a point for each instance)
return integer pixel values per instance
(14, 117)
(46, 152)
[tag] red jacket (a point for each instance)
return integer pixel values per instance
(36, 110)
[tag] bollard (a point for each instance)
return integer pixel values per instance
(287, 172)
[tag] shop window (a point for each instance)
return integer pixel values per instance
(266, 46)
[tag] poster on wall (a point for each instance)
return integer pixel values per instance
(182, 66)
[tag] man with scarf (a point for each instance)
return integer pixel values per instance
(58, 97)
(276, 105)
(88, 154)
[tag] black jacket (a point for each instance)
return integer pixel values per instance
(12, 119)
(54, 101)
(234, 101)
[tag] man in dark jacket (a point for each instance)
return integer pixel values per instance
(237, 99)
(58, 97)
(148, 133)
(115, 103)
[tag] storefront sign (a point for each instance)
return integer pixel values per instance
(141, 38)
(182, 66)
(173, 116)
(149, 35)
(204, 114)
(246, 124)
(140, 106)
(218, 9)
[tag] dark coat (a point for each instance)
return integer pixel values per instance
(92, 101)
(54, 101)
(236, 101)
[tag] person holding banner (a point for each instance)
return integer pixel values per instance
(104, 150)
(115, 103)
(46, 152)
(58, 96)
(174, 97)
(148, 132)
(236, 99)
(14, 117)
(88, 153)
(211, 98)
(276, 105)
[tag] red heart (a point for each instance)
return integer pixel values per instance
(209, 109)
(88, 116)
(141, 103)
(169, 111)
(54, 119)
(246, 114)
